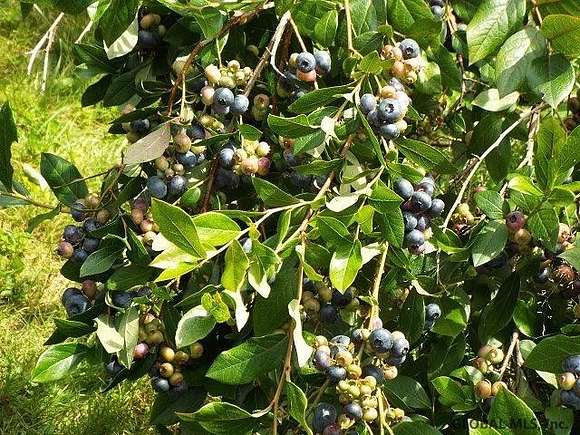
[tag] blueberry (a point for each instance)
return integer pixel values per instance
(437, 207)
(410, 221)
(121, 299)
(414, 238)
(357, 336)
(240, 104)
(572, 364)
(148, 40)
(196, 131)
(69, 293)
(143, 291)
(226, 179)
(341, 300)
(439, 3)
(422, 223)
(381, 340)
(161, 385)
(76, 304)
(400, 347)
(542, 276)
(322, 360)
(410, 48)
(427, 184)
(568, 398)
(395, 83)
(80, 255)
(373, 118)
(77, 211)
(113, 368)
(432, 312)
(336, 374)
(368, 103)
(90, 225)
(323, 62)
(437, 11)
(220, 109)
(197, 85)
(340, 340)
(91, 244)
(140, 126)
(305, 62)
(200, 158)
(515, 220)
(73, 234)
(421, 201)
(188, 159)
(375, 372)
(403, 188)
(324, 415)
(177, 185)
(223, 97)
(353, 410)
(157, 187)
(389, 131)
(328, 314)
(396, 361)
(389, 110)
(226, 157)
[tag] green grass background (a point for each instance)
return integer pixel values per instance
(53, 122)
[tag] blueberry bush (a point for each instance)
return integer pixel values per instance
(331, 217)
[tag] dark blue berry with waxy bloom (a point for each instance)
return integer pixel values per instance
(223, 97)
(177, 185)
(410, 48)
(305, 62)
(368, 103)
(188, 159)
(389, 131)
(403, 188)
(410, 221)
(353, 410)
(73, 234)
(77, 211)
(324, 415)
(432, 312)
(336, 374)
(140, 126)
(240, 104)
(414, 238)
(389, 110)
(421, 201)
(381, 340)
(323, 62)
(157, 187)
(328, 314)
(375, 372)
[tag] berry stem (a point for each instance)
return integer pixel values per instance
(508, 355)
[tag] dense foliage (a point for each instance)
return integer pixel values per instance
(332, 216)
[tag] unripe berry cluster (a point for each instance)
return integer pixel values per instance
(303, 69)
(569, 382)
(235, 161)
(488, 357)
(147, 228)
(418, 210)
(407, 61)
(322, 303)
(151, 31)
(386, 111)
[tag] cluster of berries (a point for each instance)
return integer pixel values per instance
(418, 210)
(151, 31)
(222, 100)
(574, 107)
(303, 69)
(437, 7)
(76, 301)
(235, 161)
(569, 382)
(77, 243)
(321, 302)
(385, 113)
(487, 357)
(407, 61)
(143, 220)
(356, 386)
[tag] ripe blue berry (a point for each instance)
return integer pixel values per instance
(437, 11)
(572, 364)
(395, 83)
(373, 118)
(91, 244)
(223, 97)
(368, 103)
(322, 360)
(410, 221)
(341, 300)
(157, 187)
(336, 374)
(437, 207)
(226, 157)
(73, 234)
(421, 201)
(389, 131)
(375, 372)
(403, 188)
(410, 48)
(76, 304)
(427, 184)
(226, 179)
(324, 416)
(90, 225)
(340, 341)
(353, 410)
(432, 312)
(305, 62)
(240, 104)
(396, 361)
(80, 255)
(414, 238)
(161, 385)
(121, 299)
(219, 109)
(400, 348)
(188, 159)
(77, 211)
(381, 340)
(196, 131)
(328, 314)
(389, 110)
(140, 126)
(148, 40)
(422, 223)
(177, 185)
(323, 62)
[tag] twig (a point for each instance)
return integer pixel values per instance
(84, 32)
(532, 130)
(508, 356)
(210, 180)
(48, 36)
(283, 22)
(378, 276)
(348, 27)
(480, 160)
(52, 32)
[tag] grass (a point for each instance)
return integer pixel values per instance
(50, 122)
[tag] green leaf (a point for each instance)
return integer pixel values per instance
(297, 403)
(414, 428)
(453, 319)
(58, 361)
(491, 101)
(63, 178)
(130, 276)
(196, 324)
(552, 78)
(8, 135)
(101, 260)
(111, 340)
(407, 391)
(543, 225)
(563, 31)
(412, 316)
(222, 418)
(450, 392)
(525, 185)
(215, 229)
(491, 203)
(244, 363)
(498, 313)
(149, 147)
(177, 227)
(271, 194)
(372, 137)
(210, 20)
(480, 428)
(68, 328)
(320, 97)
(236, 266)
(569, 156)
(129, 331)
(166, 405)
(423, 154)
(572, 256)
(290, 127)
(309, 142)
(345, 264)
(445, 355)
(560, 419)
(34, 222)
(403, 14)
(515, 57)
(325, 28)
(489, 242)
(117, 18)
(492, 23)
(549, 140)
(137, 252)
(550, 352)
(508, 412)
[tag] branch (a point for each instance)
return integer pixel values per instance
(508, 355)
